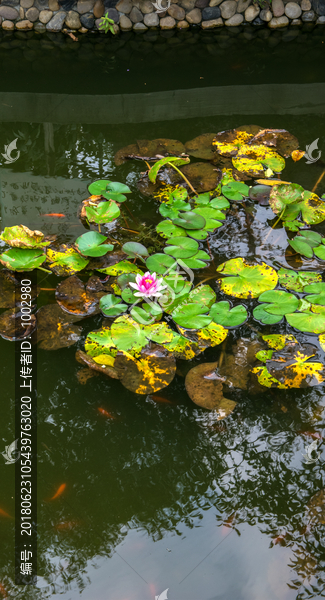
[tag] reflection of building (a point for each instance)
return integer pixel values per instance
(25, 197)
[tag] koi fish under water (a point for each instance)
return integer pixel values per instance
(105, 413)
(313, 434)
(58, 215)
(59, 491)
(160, 399)
(3, 591)
(3, 513)
(280, 539)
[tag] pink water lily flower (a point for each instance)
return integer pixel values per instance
(148, 285)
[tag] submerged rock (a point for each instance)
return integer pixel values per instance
(278, 22)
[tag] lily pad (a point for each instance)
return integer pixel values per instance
(182, 348)
(307, 322)
(211, 215)
(129, 336)
(317, 295)
(284, 142)
(134, 249)
(261, 315)
(260, 194)
(246, 281)
(103, 212)
(204, 387)
(235, 190)
(204, 177)
(252, 159)
(19, 259)
(20, 236)
(119, 268)
(220, 203)
(291, 280)
(80, 299)
(160, 263)
(189, 220)
(281, 303)
(278, 341)
(181, 247)
(154, 370)
(161, 146)
(123, 154)
(111, 190)
(228, 317)
(201, 146)
(173, 298)
(91, 244)
(207, 337)
(87, 360)
(8, 286)
(197, 261)
(65, 261)
(227, 143)
(56, 329)
(111, 306)
(11, 325)
(191, 316)
(167, 229)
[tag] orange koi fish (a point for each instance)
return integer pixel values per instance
(228, 524)
(3, 591)
(160, 399)
(313, 434)
(58, 215)
(105, 413)
(3, 513)
(59, 491)
(280, 539)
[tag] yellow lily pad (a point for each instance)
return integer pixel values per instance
(249, 281)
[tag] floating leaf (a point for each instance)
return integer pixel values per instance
(220, 202)
(154, 370)
(55, 328)
(111, 306)
(12, 327)
(167, 229)
(211, 215)
(260, 194)
(203, 199)
(91, 244)
(134, 249)
(204, 177)
(182, 348)
(102, 187)
(318, 293)
(201, 146)
(190, 220)
(181, 247)
(285, 143)
(85, 359)
(291, 280)
(172, 299)
(204, 387)
(147, 313)
(261, 315)
(264, 378)
(227, 143)
(123, 154)
(66, 261)
(312, 208)
(305, 242)
(103, 212)
(120, 268)
(204, 295)
(197, 234)
(249, 280)
(236, 367)
(228, 317)
(297, 155)
(129, 336)
(278, 341)
(197, 261)
(169, 212)
(22, 260)
(160, 263)
(191, 316)
(161, 146)
(76, 298)
(252, 159)
(212, 335)
(20, 236)
(283, 195)
(307, 322)
(162, 162)
(235, 190)
(293, 225)
(281, 303)
(99, 343)
(170, 193)
(320, 252)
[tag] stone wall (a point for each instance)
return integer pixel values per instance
(141, 15)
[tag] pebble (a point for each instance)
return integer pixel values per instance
(228, 9)
(177, 12)
(45, 16)
(305, 5)
(26, 3)
(235, 20)
(72, 20)
(320, 20)
(32, 14)
(124, 6)
(210, 13)
(53, 5)
(277, 8)
(8, 13)
(125, 23)
(308, 16)
(87, 20)
(183, 25)
(24, 25)
(266, 15)
(242, 5)
(167, 23)
(151, 20)
(212, 23)
(8, 25)
(139, 27)
(84, 6)
(99, 9)
(136, 15)
(188, 4)
(292, 10)
(278, 22)
(39, 27)
(251, 13)
(83, 30)
(41, 4)
(194, 16)
(21, 13)
(296, 22)
(113, 14)
(146, 7)
(55, 24)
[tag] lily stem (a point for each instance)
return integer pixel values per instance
(182, 175)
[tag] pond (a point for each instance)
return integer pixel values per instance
(143, 493)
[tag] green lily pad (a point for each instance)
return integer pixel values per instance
(282, 195)
(130, 336)
(147, 313)
(235, 190)
(162, 162)
(91, 244)
(104, 212)
(300, 245)
(291, 280)
(19, 259)
(250, 160)
(128, 295)
(99, 343)
(191, 316)
(103, 187)
(261, 315)
(20, 236)
(293, 225)
(181, 247)
(203, 295)
(220, 203)
(167, 229)
(160, 263)
(134, 249)
(197, 234)
(320, 252)
(210, 336)
(318, 293)
(278, 341)
(202, 199)
(182, 348)
(197, 261)
(111, 306)
(228, 317)
(246, 281)
(172, 299)
(307, 322)
(190, 220)
(124, 266)
(167, 211)
(66, 261)
(281, 303)
(260, 193)
(211, 215)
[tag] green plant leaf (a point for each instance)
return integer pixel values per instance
(91, 244)
(320, 252)
(260, 314)
(167, 211)
(167, 229)
(307, 322)
(300, 246)
(281, 303)
(111, 306)
(97, 188)
(134, 249)
(291, 280)
(235, 190)
(128, 295)
(191, 316)
(181, 347)
(19, 236)
(66, 261)
(202, 199)
(181, 247)
(220, 203)
(246, 281)
(124, 266)
(197, 261)
(283, 194)
(104, 212)
(318, 293)
(152, 174)
(189, 220)
(203, 295)
(211, 215)
(160, 263)
(197, 234)
(222, 314)
(19, 259)
(172, 299)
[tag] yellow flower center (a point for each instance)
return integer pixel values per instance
(148, 280)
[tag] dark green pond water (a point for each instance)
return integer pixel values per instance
(162, 496)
